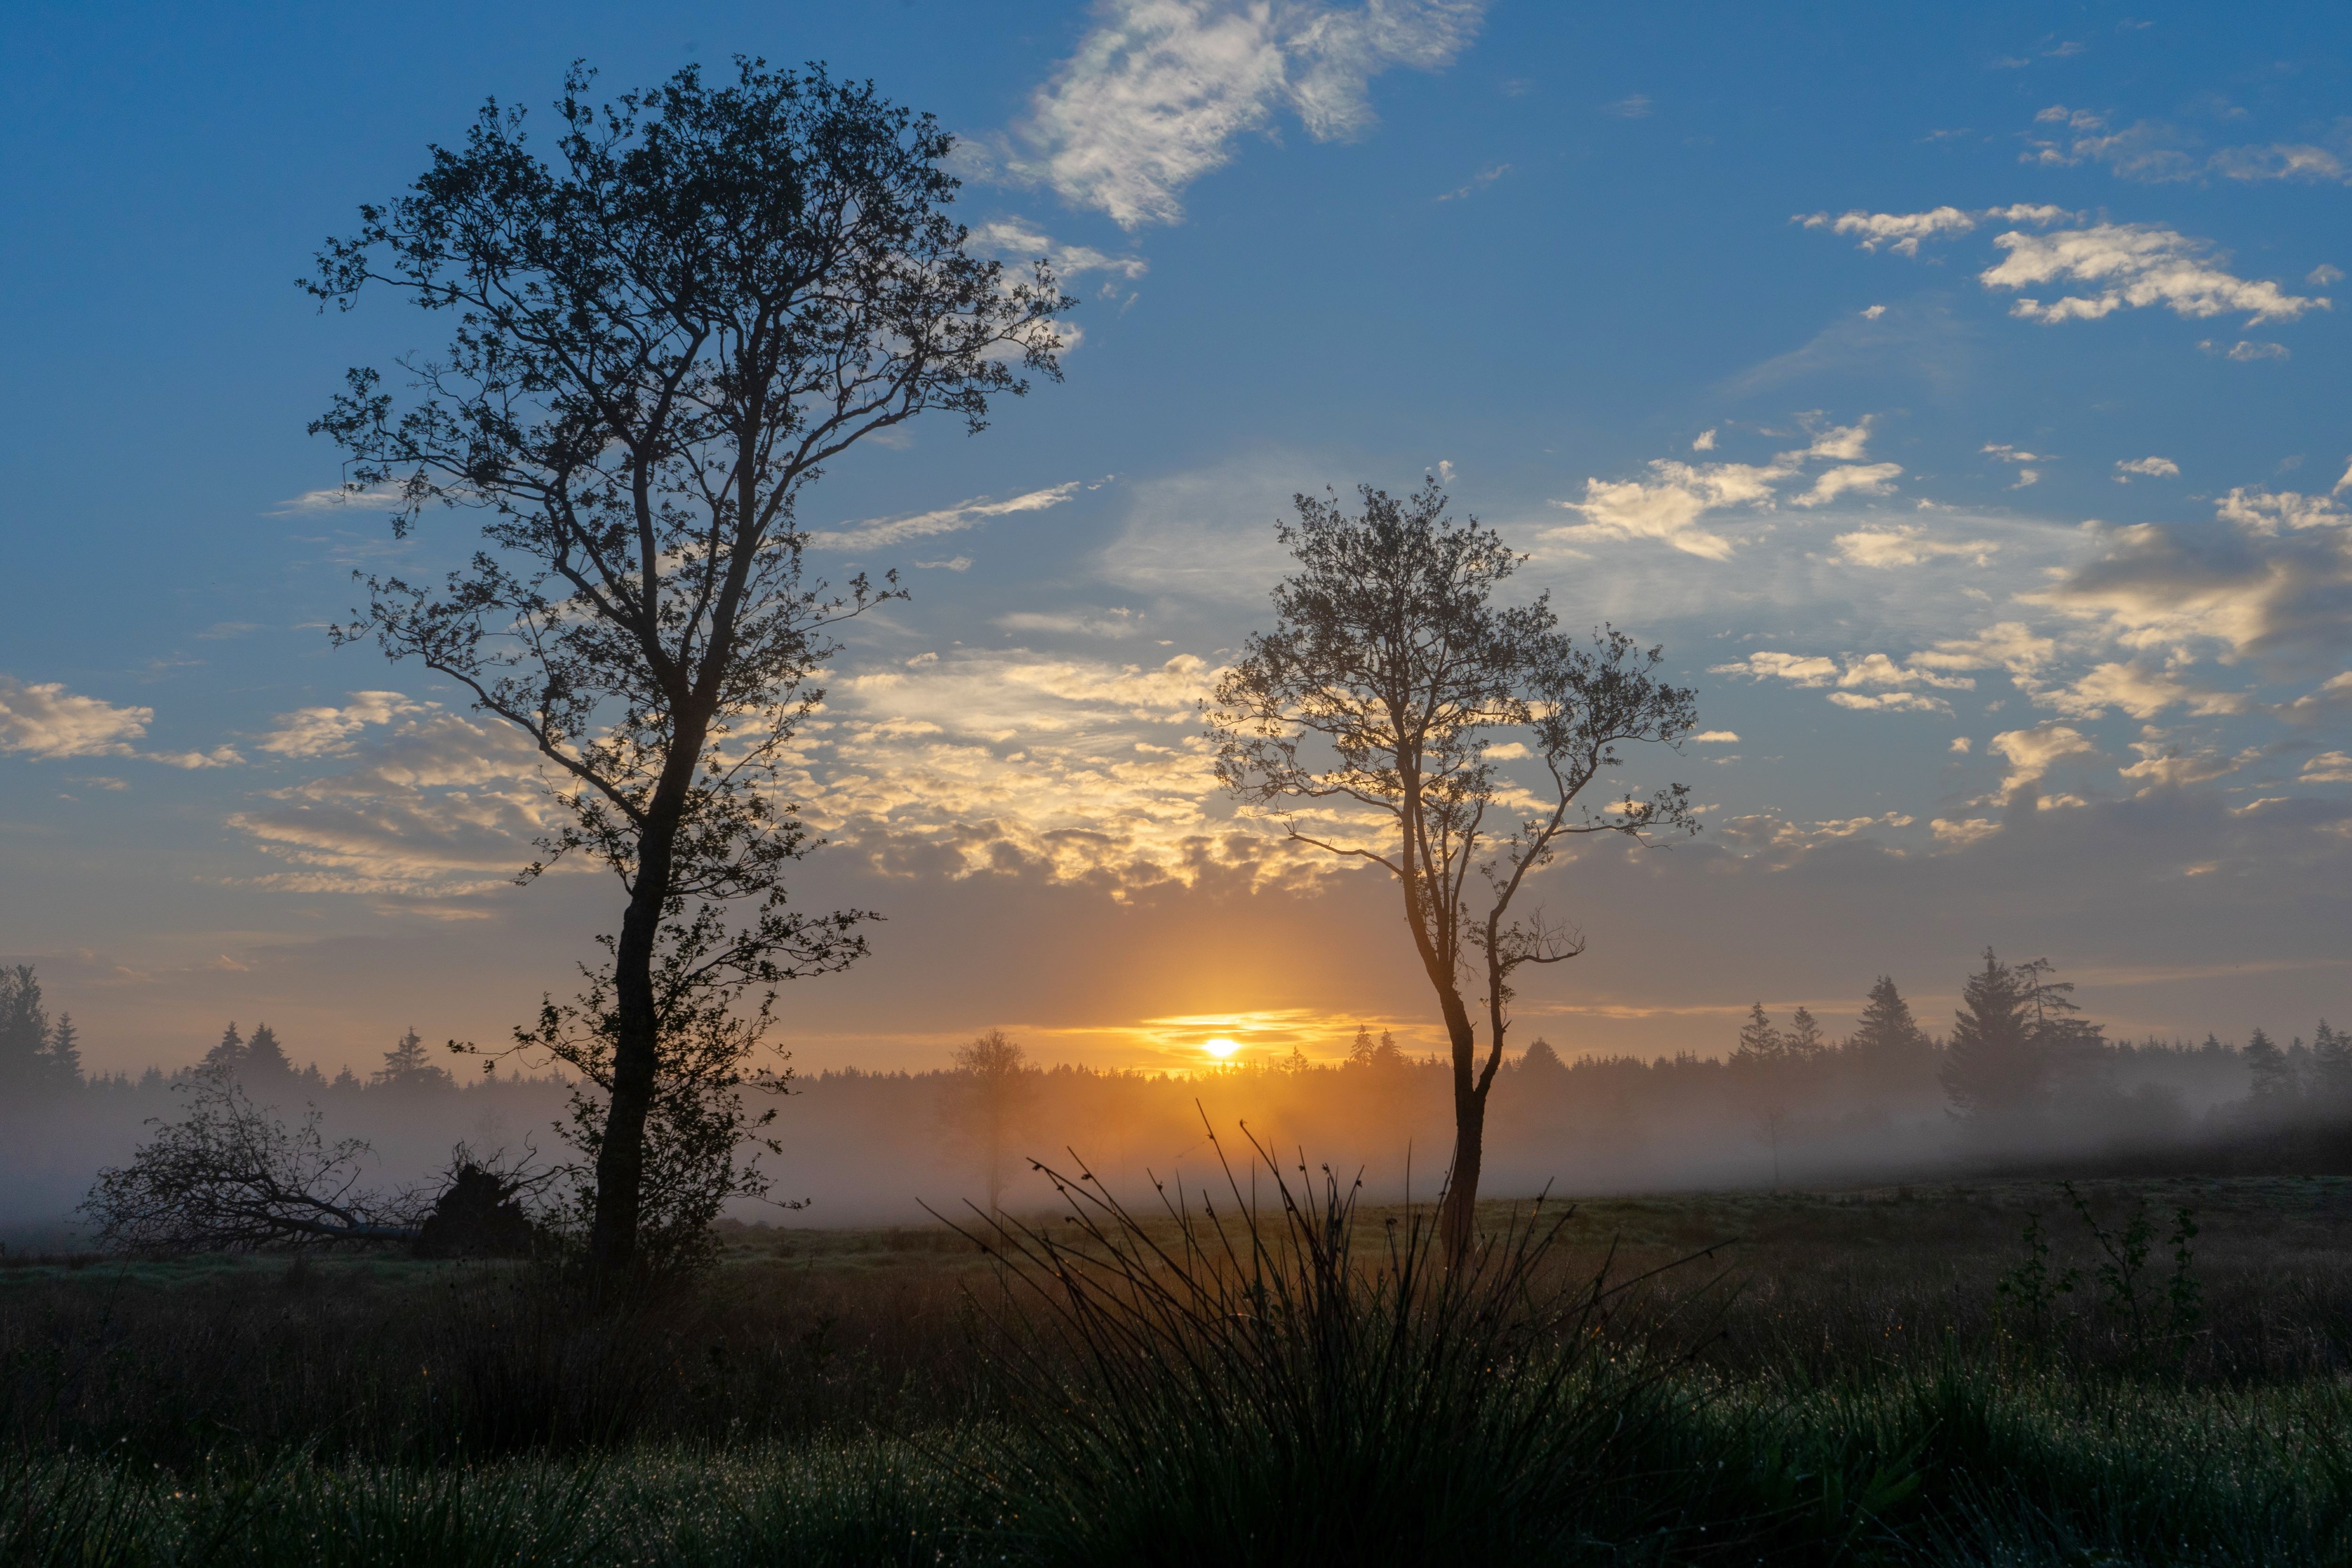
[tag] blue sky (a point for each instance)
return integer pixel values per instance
(1958, 397)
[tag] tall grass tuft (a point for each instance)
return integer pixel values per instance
(1255, 1384)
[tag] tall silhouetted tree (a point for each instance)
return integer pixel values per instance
(25, 1061)
(661, 335)
(264, 1065)
(1994, 1066)
(1391, 681)
(1759, 1043)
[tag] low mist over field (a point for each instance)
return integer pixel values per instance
(1170, 781)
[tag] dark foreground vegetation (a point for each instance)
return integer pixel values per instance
(1997, 1373)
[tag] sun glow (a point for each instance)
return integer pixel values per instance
(1221, 1047)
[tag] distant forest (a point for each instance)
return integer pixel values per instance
(2020, 1078)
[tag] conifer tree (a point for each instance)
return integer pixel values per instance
(1760, 1042)
(265, 1060)
(2273, 1078)
(23, 1031)
(1360, 1053)
(1803, 1041)
(1886, 1036)
(65, 1053)
(227, 1056)
(2331, 1065)
(406, 1066)
(1993, 1066)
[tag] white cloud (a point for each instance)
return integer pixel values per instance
(1869, 671)
(2323, 274)
(1900, 232)
(377, 498)
(2003, 452)
(1670, 505)
(952, 563)
(1891, 702)
(1797, 669)
(1852, 479)
(1705, 443)
(2146, 467)
(1874, 312)
(2132, 266)
(1159, 90)
(1877, 669)
(1015, 240)
(2328, 767)
(2032, 752)
(1716, 738)
(2139, 690)
(2011, 646)
(2261, 511)
(876, 533)
(1961, 834)
(1115, 624)
(329, 731)
(2153, 588)
(2165, 765)
(445, 807)
(47, 722)
(1839, 443)
(1961, 744)
(1634, 107)
(1903, 232)
(1889, 545)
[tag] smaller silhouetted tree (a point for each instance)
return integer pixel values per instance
(991, 1097)
(2272, 1076)
(2331, 1067)
(1888, 1045)
(228, 1054)
(408, 1067)
(1803, 1042)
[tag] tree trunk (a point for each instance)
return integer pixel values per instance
(1456, 1228)
(636, 1032)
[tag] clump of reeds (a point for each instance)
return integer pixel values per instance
(1271, 1379)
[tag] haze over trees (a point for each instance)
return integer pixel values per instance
(1394, 680)
(662, 333)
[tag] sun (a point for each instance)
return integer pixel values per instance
(1222, 1047)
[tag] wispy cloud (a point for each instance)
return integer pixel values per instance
(1478, 182)
(1160, 90)
(880, 533)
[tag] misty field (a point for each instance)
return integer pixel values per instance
(1896, 1374)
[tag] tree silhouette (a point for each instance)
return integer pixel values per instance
(662, 336)
(994, 1088)
(1390, 682)
(1995, 1065)
(408, 1067)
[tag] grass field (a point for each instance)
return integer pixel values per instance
(1859, 1377)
